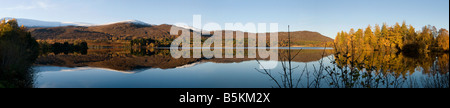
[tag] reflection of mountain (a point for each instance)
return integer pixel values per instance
(189, 65)
(150, 58)
(77, 69)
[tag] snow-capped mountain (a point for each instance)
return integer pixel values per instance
(78, 24)
(188, 27)
(137, 22)
(38, 23)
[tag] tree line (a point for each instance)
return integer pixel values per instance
(397, 38)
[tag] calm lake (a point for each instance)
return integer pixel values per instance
(311, 68)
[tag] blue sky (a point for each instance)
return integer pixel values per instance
(325, 16)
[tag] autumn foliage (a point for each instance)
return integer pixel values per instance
(396, 38)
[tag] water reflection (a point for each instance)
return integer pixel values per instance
(374, 69)
(131, 59)
(312, 68)
(365, 69)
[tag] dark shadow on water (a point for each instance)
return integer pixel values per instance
(63, 48)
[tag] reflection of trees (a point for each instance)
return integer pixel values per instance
(380, 62)
(149, 51)
(66, 48)
(373, 69)
(365, 69)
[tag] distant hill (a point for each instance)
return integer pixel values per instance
(133, 29)
(304, 38)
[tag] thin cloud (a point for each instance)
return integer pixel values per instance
(32, 5)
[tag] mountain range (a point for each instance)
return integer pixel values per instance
(134, 29)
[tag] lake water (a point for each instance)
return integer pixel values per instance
(312, 68)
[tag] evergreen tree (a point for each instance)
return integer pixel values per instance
(425, 38)
(411, 35)
(385, 37)
(404, 30)
(378, 36)
(397, 37)
(359, 38)
(369, 39)
(443, 40)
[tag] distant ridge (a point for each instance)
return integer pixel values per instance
(137, 22)
(135, 29)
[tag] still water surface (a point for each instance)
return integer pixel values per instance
(154, 68)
